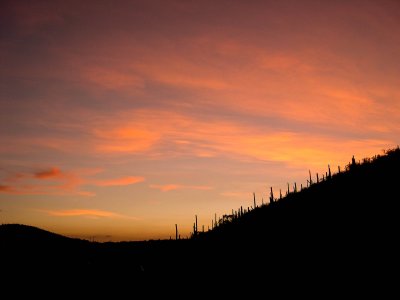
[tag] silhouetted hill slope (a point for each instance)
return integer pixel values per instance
(347, 225)
(28, 248)
(18, 233)
(363, 198)
(337, 222)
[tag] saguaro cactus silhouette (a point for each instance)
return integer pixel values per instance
(195, 231)
(271, 197)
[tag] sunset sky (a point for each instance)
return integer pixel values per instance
(119, 119)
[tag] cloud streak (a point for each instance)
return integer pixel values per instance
(54, 181)
(120, 181)
(174, 187)
(88, 213)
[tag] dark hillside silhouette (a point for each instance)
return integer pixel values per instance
(346, 223)
(23, 234)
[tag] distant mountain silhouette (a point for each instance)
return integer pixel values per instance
(345, 224)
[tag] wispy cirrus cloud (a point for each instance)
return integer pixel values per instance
(181, 134)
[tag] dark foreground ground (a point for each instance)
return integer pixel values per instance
(338, 235)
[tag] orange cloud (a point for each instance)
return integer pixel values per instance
(172, 187)
(5, 189)
(180, 134)
(68, 183)
(250, 81)
(36, 183)
(62, 189)
(292, 85)
(50, 173)
(120, 181)
(84, 213)
(124, 139)
(166, 187)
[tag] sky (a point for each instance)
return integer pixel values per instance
(120, 119)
